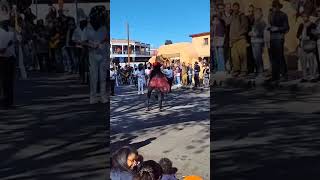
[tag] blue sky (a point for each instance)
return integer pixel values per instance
(154, 21)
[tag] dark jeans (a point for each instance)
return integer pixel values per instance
(112, 84)
(250, 60)
(257, 50)
(279, 65)
(83, 56)
(196, 80)
(7, 72)
(170, 80)
(43, 61)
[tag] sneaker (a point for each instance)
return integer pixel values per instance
(93, 100)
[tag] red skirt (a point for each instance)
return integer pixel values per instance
(160, 83)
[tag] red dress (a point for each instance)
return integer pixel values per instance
(160, 82)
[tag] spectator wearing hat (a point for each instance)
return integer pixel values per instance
(279, 26)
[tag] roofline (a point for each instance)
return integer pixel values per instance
(199, 34)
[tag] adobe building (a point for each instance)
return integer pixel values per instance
(188, 52)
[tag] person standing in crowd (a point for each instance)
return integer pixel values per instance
(218, 39)
(316, 32)
(238, 42)
(81, 52)
(206, 76)
(227, 17)
(169, 74)
(307, 49)
(113, 75)
(257, 40)
(177, 75)
(184, 74)
(250, 58)
(279, 26)
(71, 64)
(97, 38)
(140, 79)
(147, 73)
(42, 38)
(196, 74)
(7, 56)
(190, 74)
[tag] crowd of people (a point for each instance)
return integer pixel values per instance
(178, 74)
(240, 40)
(159, 77)
(128, 164)
(56, 44)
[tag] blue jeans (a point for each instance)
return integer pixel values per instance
(220, 65)
(257, 49)
(178, 79)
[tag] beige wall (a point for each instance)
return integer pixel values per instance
(202, 50)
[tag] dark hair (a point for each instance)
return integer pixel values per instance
(236, 4)
(166, 165)
(150, 170)
(120, 157)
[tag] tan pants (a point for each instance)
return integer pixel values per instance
(239, 56)
(185, 80)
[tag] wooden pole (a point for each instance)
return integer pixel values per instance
(128, 44)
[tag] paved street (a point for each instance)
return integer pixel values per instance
(263, 134)
(53, 132)
(180, 133)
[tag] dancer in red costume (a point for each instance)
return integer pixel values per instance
(159, 83)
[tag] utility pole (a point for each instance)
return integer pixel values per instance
(128, 44)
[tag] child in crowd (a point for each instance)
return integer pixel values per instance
(167, 169)
(150, 170)
(124, 162)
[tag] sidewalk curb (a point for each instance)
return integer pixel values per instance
(293, 85)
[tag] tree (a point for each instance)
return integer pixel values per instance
(168, 42)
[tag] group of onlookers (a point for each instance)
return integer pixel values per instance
(239, 41)
(178, 74)
(128, 164)
(56, 44)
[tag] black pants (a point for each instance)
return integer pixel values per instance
(279, 65)
(7, 72)
(250, 60)
(196, 80)
(170, 80)
(160, 96)
(43, 61)
(112, 84)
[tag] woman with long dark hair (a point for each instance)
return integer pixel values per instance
(124, 162)
(150, 170)
(158, 82)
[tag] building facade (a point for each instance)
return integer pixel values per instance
(139, 51)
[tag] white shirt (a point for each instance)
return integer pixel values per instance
(148, 71)
(112, 75)
(140, 75)
(6, 37)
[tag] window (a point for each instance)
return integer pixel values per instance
(206, 41)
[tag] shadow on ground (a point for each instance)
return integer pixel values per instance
(53, 132)
(264, 135)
